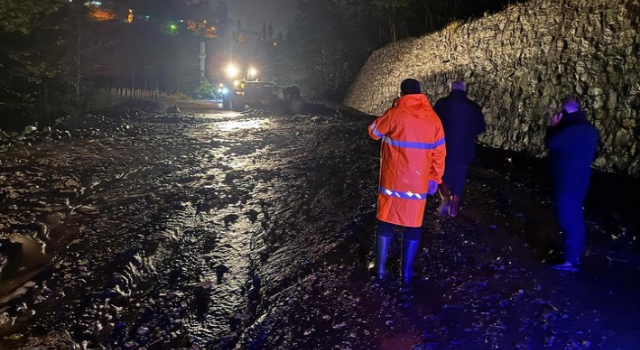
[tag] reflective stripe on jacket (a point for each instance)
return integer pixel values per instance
(412, 153)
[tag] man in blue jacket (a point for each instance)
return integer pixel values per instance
(572, 143)
(463, 121)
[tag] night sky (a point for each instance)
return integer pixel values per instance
(253, 13)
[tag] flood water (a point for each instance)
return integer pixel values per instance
(221, 230)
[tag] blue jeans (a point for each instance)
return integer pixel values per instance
(571, 220)
(455, 175)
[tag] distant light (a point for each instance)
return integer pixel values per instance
(100, 14)
(252, 72)
(172, 28)
(232, 71)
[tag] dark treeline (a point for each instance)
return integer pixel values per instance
(53, 52)
(39, 59)
(329, 40)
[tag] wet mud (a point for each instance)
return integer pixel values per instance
(218, 230)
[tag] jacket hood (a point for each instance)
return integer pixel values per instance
(416, 104)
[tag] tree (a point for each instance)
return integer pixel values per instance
(221, 12)
(25, 16)
(39, 65)
(221, 15)
(390, 9)
(264, 31)
(327, 43)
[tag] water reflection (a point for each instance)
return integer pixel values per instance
(242, 124)
(23, 256)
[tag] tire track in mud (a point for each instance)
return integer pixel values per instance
(311, 234)
(205, 273)
(167, 252)
(145, 230)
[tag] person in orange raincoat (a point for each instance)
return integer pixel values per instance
(411, 167)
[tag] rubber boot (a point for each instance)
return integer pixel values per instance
(382, 251)
(409, 253)
(445, 200)
(455, 206)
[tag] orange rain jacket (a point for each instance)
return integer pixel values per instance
(412, 153)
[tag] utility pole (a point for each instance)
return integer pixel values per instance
(203, 56)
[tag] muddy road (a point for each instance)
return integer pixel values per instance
(220, 230)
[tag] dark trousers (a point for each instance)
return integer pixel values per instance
(455, 175)
(411, 233)
(571, 221)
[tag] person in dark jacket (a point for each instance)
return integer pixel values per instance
(463, 121)
(572, 142)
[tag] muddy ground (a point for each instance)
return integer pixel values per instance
(219, 230)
